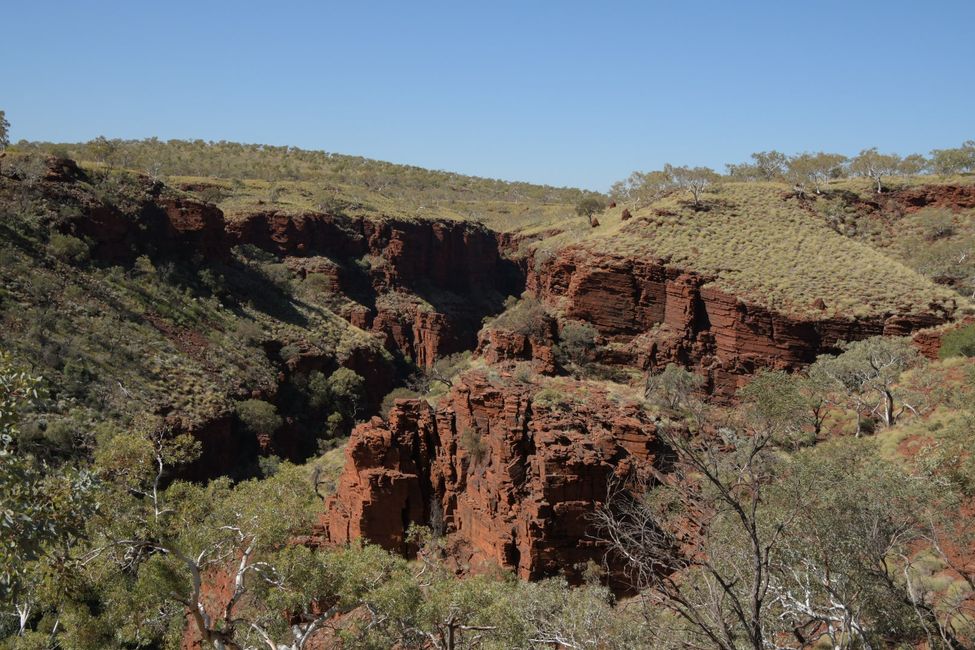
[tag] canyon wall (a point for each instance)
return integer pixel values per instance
(423, 285)
(662, 314)
(508, 473)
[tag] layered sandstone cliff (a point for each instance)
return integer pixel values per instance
(510, 473)
(659, 314)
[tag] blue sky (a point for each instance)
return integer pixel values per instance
(567, 93)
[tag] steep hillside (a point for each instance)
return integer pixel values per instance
(131, 297)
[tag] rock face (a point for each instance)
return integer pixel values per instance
(666, 315)
(428, 285)
(496, 345)
(453, 255)
(956, 197)
(510, 476)
(176, 226)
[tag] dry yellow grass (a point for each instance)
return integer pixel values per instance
(763, 245)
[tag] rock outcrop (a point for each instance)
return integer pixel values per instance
(423, 285)
(446, 275)
(510, 473)
(928, 341)
(174, 226)
(663, 314)
(499, 345)
(955, 197)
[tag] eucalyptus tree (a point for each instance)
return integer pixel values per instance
(876, 166)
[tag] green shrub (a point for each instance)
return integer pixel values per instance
(68, 249)
(280, 275)
(347, 389)
(550, 398)
(577, 344)
(958, 343)
(673, 386)
(393, 395)
(527, 316)
(268, 465)
(523, 373)
(290, 351)
(258, 417)
(936, 224)
(249, 332)
(334, 425)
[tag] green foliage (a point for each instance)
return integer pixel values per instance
(876, 166)
(813, 169)
(791, 406)
(853, 540)
(693, 179)
(642, 188)
(397, 393)
(439, 377)
(869, 366)
(771, 164)
(589, 206)
(552, 397)
(43, 509)
(673, 387)
(954, 161)
(341, 392)
(526, 316)
(259, 417)
(68, 248)
(347, 389)
(959, 342)
(577, 344)
(156, 541)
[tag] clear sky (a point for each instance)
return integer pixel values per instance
(567, 93)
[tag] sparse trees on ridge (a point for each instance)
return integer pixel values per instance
(813, 168)
(803, 170)
(824, 167)
(642, 187)
(954, 161)
(103, 149)
(913, 164)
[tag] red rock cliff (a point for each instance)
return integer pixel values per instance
(668, 315)
(513, 476)
(446, 275)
